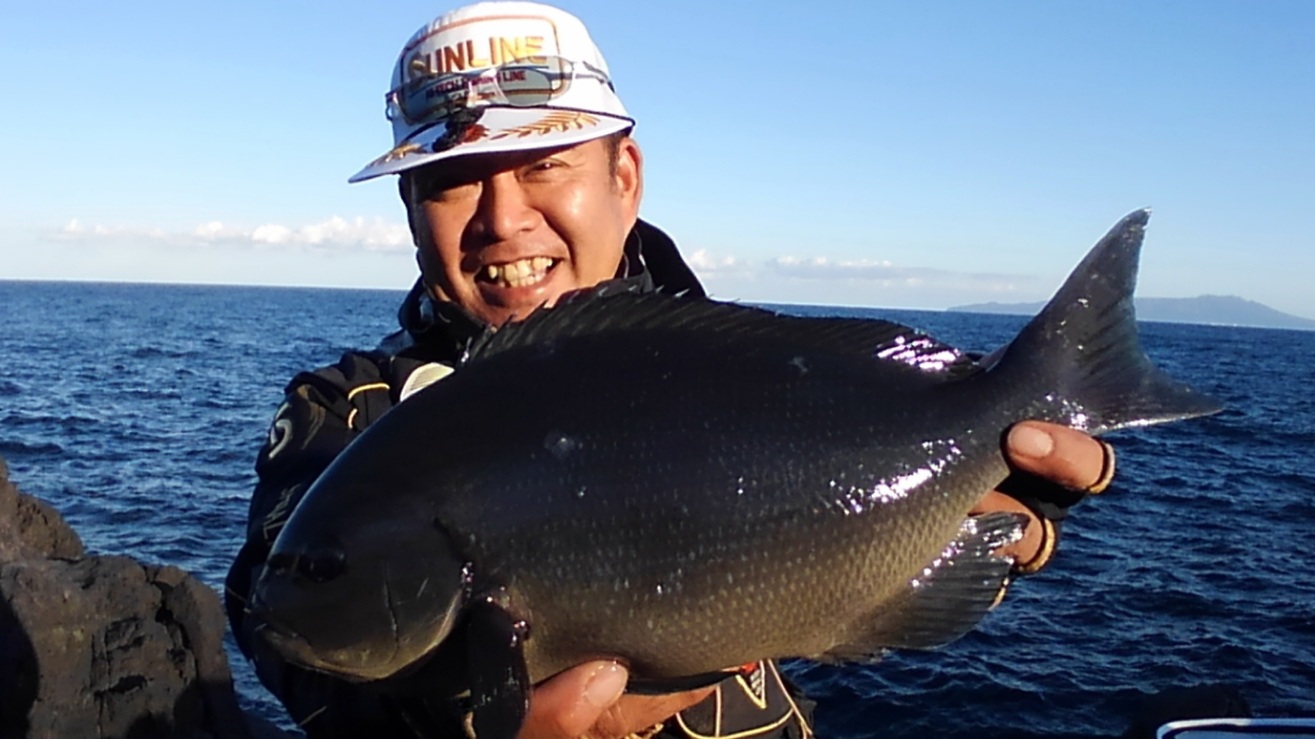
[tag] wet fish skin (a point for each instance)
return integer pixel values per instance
(687, 485)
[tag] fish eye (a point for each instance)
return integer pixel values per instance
(281, 562)
(323, 565)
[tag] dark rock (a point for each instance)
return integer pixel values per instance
(104, 646)
(29, 528)
(200, 615)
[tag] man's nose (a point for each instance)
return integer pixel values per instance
(504, 208)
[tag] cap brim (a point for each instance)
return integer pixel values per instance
(495, 130)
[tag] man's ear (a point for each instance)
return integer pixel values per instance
(629, 176)
(405, 187)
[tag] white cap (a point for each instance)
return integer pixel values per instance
(440, 110)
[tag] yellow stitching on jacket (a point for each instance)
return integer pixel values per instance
(754, 698)
(794, 707)
(362, 388)
(756, 731)
(351, 417)
(716, 724)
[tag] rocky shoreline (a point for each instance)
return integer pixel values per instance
(104, 646)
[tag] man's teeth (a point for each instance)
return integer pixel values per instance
(519, 273)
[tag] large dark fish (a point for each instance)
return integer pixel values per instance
(626, 476)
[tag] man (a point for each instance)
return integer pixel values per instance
(521, 183)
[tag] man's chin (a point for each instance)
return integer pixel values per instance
(501, 305)
(500, 315)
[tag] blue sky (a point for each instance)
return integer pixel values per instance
(858, 153)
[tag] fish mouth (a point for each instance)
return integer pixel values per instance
(296, 628)
(291, 647)
(361, 663)
(358, 633)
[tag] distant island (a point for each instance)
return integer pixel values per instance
(1218, 310)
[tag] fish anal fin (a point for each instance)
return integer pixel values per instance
(946, 600)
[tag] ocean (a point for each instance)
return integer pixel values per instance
(137, 409)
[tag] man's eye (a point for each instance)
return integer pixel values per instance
(546, 165)
(439, 190)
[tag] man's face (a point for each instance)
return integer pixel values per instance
(502, 234)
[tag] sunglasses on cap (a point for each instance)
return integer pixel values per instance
(524, 83)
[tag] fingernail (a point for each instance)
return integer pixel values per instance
(1028, 441)
(606, 685)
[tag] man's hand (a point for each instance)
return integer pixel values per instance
(1060, 455)
(588, 701)
(1064, 456)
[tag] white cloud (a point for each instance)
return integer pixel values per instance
(75, 230)
(886, 274)
(704, 263)
(336, 233)
(823, 277)
(209, 230)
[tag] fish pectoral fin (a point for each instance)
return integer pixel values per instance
(947, 600)
(499, 679)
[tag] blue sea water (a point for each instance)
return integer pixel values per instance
(136, 410)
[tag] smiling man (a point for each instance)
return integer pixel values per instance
(505, 233)
(521, 183)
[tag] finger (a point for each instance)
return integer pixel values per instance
(634, 714)
(1061, 455)
(1028, 548)
(567, 705)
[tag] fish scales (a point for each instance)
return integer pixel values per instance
(753, 466)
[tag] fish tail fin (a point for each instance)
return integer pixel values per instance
(1083, 347)
(952, 595)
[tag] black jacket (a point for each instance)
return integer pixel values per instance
(325, 409)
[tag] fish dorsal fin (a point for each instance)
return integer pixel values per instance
(599, 312)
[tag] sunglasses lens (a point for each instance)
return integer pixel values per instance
(432, 97)
(525, 85)
(520, 84)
